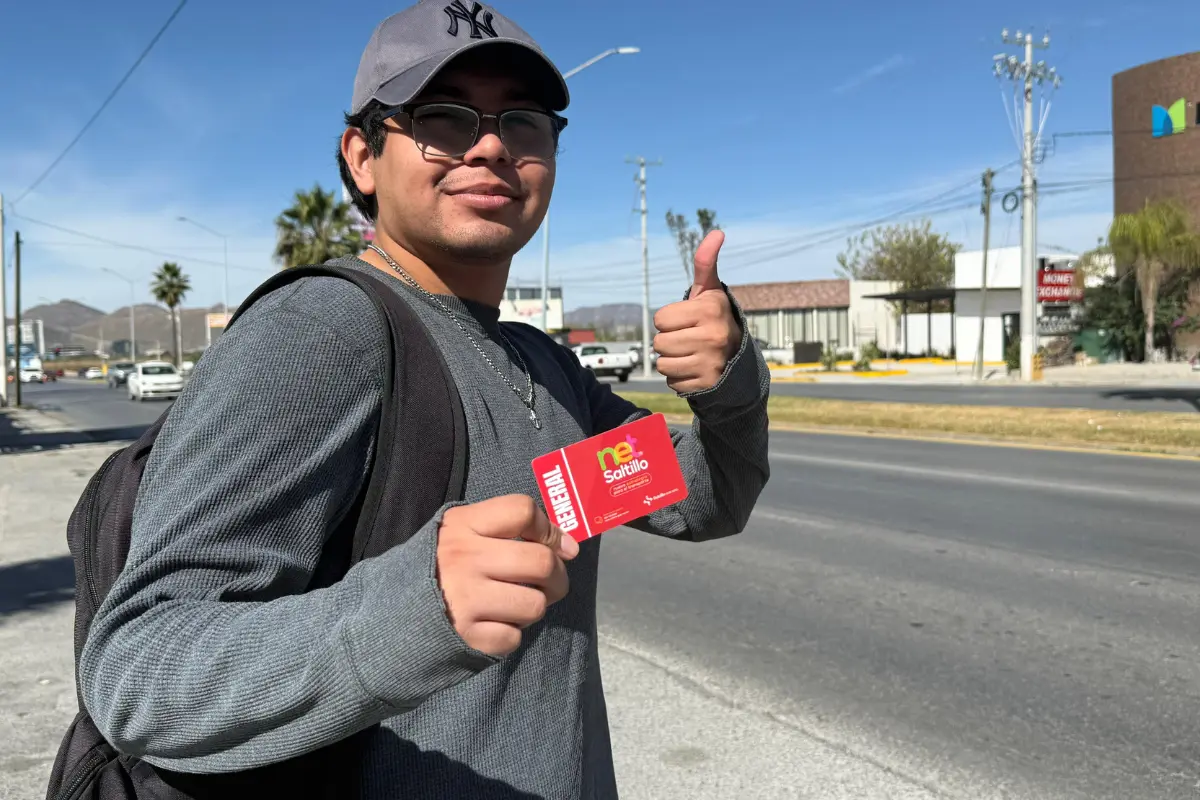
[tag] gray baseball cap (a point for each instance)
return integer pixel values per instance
(408, 48)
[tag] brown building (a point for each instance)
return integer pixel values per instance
(1156, 143)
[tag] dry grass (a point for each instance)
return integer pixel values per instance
(1113, 430)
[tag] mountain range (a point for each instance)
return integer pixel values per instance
(68, 322)
(614, 319)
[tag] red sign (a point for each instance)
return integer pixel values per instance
(1058, 286)
(611, 479)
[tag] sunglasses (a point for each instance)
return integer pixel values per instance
(450, 130)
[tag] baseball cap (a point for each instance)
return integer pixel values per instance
(410, 47)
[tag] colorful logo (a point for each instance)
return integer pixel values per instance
(625, 460)
(1168, 121)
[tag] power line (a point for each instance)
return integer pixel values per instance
(188, 248)
(774, 250)
(806, 240)
(137, 247)
(104, 105)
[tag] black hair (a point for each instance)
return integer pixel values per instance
(370, 122)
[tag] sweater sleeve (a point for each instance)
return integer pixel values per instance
(209, 655)
(723, 455)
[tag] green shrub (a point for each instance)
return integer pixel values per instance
(829, 360)
(1012, 356)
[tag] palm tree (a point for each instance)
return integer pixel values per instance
(1155, 244)
(315, 229)
(169, 287)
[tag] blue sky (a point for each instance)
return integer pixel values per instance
(788, 118)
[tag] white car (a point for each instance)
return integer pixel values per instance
(154, 379)
(93, 373)
(600, 361)
(30, 375)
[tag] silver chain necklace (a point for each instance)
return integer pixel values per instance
(526, 401)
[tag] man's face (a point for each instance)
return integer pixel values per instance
(485, 204)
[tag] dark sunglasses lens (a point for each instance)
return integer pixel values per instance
(445, 130)
(528, 134)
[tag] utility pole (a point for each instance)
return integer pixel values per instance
(1024, 75)
(3, 316)
(640, 180)
(986, 209)
(17, 317)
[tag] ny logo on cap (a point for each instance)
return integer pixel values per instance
(458, 11)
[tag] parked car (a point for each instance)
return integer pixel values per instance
(636, 352)
(92, 373)
(118, 373)
(152, 379)
(601, 362)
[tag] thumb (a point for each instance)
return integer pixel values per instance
(705, 277)
(518, 517)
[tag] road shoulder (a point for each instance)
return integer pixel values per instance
(673, 738)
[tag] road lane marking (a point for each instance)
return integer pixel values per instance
(792, 519)
(991, 479)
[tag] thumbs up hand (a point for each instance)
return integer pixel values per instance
(698, 336)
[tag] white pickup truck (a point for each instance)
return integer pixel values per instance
(599, 360)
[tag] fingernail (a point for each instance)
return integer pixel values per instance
(568, 545)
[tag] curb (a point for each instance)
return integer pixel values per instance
(35, 420)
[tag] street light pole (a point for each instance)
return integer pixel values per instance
(225, 281)
(132, 302)
(615, 51)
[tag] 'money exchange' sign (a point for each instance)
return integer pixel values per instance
(1058, 286)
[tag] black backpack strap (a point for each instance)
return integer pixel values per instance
(421, 444)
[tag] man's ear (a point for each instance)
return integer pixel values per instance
(358, 159)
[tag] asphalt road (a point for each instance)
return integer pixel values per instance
(91, 406)
(986, 622)
(1115, 398)
(980, 622)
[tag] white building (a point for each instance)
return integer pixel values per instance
(1002, 314)
(836, 313)
(33, 334)
(524, 304)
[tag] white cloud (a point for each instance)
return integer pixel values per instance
(872, 72)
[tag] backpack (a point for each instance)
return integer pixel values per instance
(421, 416)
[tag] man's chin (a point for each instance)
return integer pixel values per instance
(485, 240)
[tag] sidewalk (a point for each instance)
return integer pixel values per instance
(673, 739)
(37, 581)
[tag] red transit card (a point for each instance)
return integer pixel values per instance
(610, 479)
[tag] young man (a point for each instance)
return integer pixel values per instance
(474, 644)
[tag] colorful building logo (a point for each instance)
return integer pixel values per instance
(1168, 121)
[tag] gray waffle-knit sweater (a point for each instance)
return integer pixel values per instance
(209, 656)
